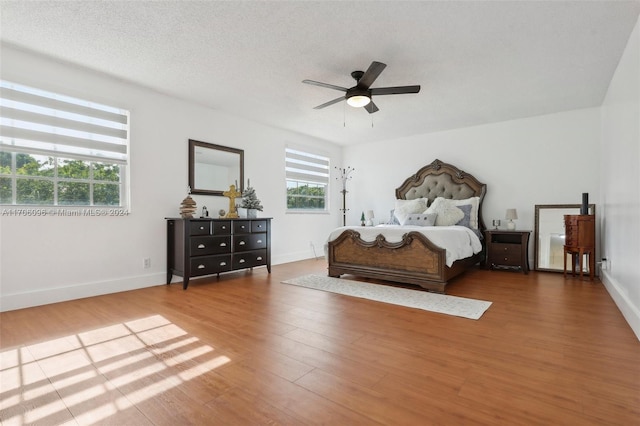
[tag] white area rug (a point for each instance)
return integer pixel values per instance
(441, 303)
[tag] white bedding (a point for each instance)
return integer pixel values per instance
(459, 241)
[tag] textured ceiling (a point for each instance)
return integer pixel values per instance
(477, 62)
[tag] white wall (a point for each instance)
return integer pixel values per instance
(620, 188)
(49, 259)
(549, 159)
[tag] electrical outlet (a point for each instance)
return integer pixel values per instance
(146, 262)
(605, 264)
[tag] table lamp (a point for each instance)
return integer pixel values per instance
(370, 217)
(511, 215)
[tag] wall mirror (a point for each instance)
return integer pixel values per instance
(213, 168)
(549, 234)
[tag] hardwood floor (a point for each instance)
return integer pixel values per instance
(248, 350)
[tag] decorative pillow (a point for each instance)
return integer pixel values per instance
(393, 220)
(448, 214)
(407, 207)
(474, 202)
(466, 220)
(420, 219)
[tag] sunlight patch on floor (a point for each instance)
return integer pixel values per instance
(93, 375)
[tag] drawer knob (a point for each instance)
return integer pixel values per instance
(201, 266)
(223, 244)
(223, 263)
(201, 246)
(259, 258)
(241, 261)
(506, 258)
(259, 241)
(241, 243)
(224, 227)
(259, 226)
(505, 249)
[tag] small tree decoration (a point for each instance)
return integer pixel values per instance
(249, 199)
(362, 219)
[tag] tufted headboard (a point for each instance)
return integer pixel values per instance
(440, 179)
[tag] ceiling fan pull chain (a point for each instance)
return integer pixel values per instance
(344, 114)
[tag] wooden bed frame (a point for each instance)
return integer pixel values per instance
(415, 259)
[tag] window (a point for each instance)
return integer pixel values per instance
(307, 177)
(61, 151)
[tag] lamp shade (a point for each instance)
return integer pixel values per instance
(358, 100)
(370, 214)
(511, 214)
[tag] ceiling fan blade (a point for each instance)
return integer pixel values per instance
(371, 74)
(326, 104)
(328, 86)
(395, 90)
(371, 107)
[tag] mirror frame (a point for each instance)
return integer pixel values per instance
(538, 207)
(192, 156)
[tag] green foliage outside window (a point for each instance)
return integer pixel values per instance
(305, 196)
(76, 182)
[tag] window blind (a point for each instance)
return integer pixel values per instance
(307, 167)
(40, 122)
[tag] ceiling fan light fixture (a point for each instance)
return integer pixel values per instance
(358, 101)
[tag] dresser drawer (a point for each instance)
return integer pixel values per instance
(222, 227)
(200, 227)
(249, 242)
(201, 246)
(206, 265)
(241, 226)
(506, 254)
(249, 259)
(259, 226)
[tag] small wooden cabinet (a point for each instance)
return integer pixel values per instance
(198, 247)
(580, 240)
(508, 249)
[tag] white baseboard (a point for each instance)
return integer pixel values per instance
(11, 302)
(630, 312)
(29, 299)
(296, 256)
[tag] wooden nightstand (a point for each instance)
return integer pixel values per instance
(508, 249)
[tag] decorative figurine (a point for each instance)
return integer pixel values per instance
(232, 193)
(362, 220)
(187, 207)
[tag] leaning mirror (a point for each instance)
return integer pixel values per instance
(549, 234)
(213, 168)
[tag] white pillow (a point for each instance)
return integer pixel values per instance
(403, 208)
(448, 213)
(475, 206)
(420, 219)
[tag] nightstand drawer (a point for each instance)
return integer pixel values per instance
(506, 254)
(500, 250)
